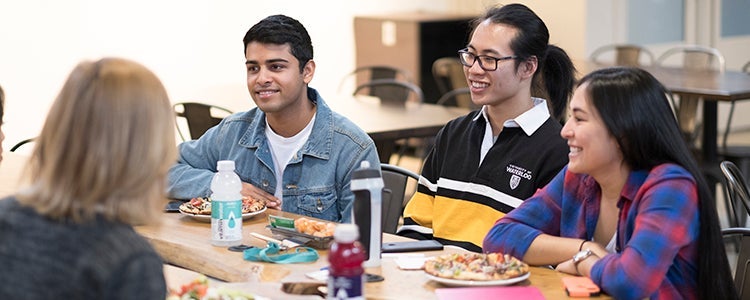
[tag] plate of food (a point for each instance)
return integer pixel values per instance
(476, 269)
(200, 208)
(310, 232)
(201, 288)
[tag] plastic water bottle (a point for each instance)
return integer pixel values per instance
(226, 206)
(367, 186)
(346, 275)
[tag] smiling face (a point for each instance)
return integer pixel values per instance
(593, 150)
(507, 81)
(274, 79)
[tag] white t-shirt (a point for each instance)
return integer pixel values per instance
(284, 149)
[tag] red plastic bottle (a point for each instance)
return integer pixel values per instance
(345, 274)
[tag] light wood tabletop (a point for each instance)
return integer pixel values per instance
(184, 244)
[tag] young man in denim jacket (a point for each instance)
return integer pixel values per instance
(291, 151)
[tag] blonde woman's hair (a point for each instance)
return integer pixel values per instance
(105, 147)
(2, 104)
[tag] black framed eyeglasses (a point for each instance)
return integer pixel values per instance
(486, 62)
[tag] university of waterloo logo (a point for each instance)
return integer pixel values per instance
(516, 174)
(514, 181)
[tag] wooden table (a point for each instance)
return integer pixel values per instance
(387, 123)
(712, 86)
(184, 242)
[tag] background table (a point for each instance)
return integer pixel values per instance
(712, 86)
(387, 123)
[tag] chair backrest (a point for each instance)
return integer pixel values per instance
(21, 143)
(391, 91)
(737, 191)
(694, 58)
(741, 276)
(460, 97)
(374, 72)
(624, 54)
(448, 73)
(395, 181)
(199, 117)
(746, 68)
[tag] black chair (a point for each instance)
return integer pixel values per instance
(199, 117)
(741, 278)
(21, 143)
(365, 74)
(736, 194)
(391, 91)
(395, 181)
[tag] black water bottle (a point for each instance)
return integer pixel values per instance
(367, 186)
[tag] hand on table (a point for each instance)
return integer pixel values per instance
(584, 266)
(567, 267)
(249, 190)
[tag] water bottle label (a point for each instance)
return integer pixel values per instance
(226, 220)
(345, 287)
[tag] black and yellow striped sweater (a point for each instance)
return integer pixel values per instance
(456, 202)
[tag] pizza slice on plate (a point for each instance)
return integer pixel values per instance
(476, 266)
(197, 206)
(202, 206)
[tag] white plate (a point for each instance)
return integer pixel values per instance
(456, 282)
(207, 218)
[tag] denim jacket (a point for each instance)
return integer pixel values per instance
(316, 179)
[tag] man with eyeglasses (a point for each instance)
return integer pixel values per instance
(486, 163)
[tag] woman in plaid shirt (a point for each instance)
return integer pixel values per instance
(631, 206)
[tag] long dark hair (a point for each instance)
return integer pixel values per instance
(558, 72)
(634, 107)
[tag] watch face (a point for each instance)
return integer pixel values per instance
(581, 255)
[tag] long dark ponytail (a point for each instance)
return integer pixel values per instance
(555, 66)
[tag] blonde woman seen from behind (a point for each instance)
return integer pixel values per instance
(97, 169)
(2, 111)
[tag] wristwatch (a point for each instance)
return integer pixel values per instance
(580, 256)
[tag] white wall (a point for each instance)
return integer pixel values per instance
(194, 46)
